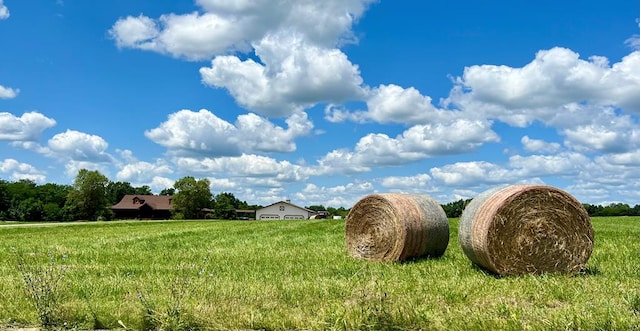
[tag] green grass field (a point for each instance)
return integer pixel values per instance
(181, 275)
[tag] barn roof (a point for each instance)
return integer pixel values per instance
(290, 204)
(136, 201)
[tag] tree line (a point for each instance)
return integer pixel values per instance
(92, 193)
(454, 209)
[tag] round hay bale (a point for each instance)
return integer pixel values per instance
(396, 227)
(526, 229)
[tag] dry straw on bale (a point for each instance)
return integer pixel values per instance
(526, 229)
(396, 227)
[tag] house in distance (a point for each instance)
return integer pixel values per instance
(284, 210)
(143, 207)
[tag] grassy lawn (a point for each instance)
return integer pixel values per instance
(294, 275)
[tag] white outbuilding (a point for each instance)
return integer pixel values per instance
(284, 210)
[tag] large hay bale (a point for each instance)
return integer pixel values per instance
(396, 227)
(526, 229)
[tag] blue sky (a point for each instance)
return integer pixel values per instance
(323, 102)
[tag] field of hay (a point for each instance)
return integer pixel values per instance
(185, 275)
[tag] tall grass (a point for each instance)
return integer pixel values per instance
(180, 275)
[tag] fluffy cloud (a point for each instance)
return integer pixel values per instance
(196, 132)
(394, 104)
(603, 130)
(519, 169)
(246, 165)
(294, 76)
(28, 127)
(203, 133)
(472, 174)
(191, 36)
(140, 173)
(79, 146)
(335, 196)
(143, 172)
(72, 167)
(554, 79)
(18, 170)
(634, 41)
(631, 159)
(411, 184)
(416, 143)
(8, 93)
(609, 178)
(539, 146)
(135, 32)
(4, 11)
(227, 26)
(256, 133)
(563, 164)
(295, 42)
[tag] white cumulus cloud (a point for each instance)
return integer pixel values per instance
(419, 183)
(272, 171)
(199, 132)
(414, 144)
(602, 130)
(4, 11)
(294, 75)
(203, 133)
(395, 104)
(227, 26)
(28, 127)
(140, 173)
(555, 79)
(80, 147)
(335, 196)
(634, 41)
(562, 164)
(19, 170)
(143, 172)
(472, 174)
(8, 93)
(539, 146)
(135, 32)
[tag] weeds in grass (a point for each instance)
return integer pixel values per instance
(634, 303)
(297, 275)
(172, 313)
(43, 286)
(97, 323)
(370, 305)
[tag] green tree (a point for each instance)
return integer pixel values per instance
(5, 200)
(115, 191)
(87, 199)
(455, 208)
(53, 213)
(316, 207)
(143, 190)
(225, 205)
(191, 197)
(593, 210)
(17, 194)
(22, 189)
(168, 191)
(340, 211)
(617, 209)
(53, 193)
(31, 209)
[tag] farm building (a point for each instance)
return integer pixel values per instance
(284, 210)
(143, 207)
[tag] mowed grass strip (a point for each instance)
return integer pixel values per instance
(297, 275)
